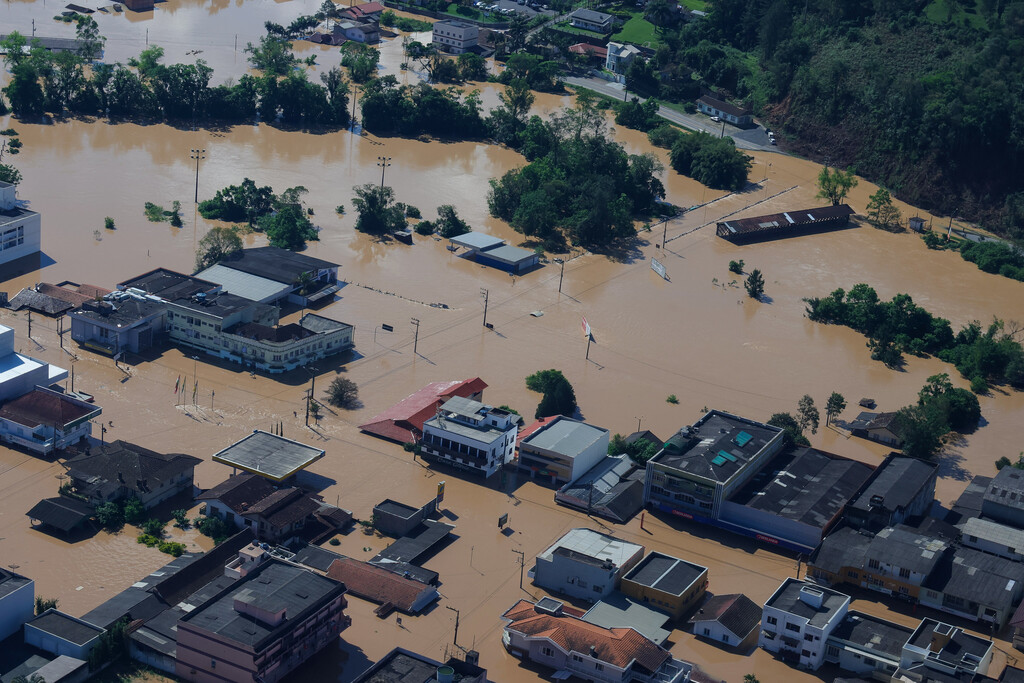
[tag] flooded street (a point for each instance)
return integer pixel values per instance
(696, 336)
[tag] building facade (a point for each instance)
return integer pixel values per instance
(19, 228)
(120, 470)
(563, 449)
(17, 602)
(590, 20)
(798, 619)
(470, 435)
(586, 564)
(667, 583)
(620, 56)
(737, 116)
(732, 620)
(455, 36)
(43, 421)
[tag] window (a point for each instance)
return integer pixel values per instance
(808, 637)
(792, 627)
(852, 574)
(213, 663)
(548, 652)
(904, 573)
(598, 589)
(707, 631)
(725, 638)
(772, 620)
(873, 564)
(599, 666)
(805, 653)
(831, 651)
(576, 657)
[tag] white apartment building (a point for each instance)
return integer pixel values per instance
(798, 620)
(455, 36)
(470, 435)
(19, 228)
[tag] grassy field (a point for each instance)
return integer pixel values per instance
(698, 5)
(941, 11)
(638, 30)
(565, 27)
(474, 14)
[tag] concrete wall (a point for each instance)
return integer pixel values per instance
(575, 578)
(20, 237)
(771, 525)
(16, 608)
(1003, 513)
(994, 548)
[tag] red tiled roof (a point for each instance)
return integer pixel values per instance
(403, 422)
(530, 429)
(588, 49)
(375, 584)
(43, 406)
(367, 8)
(616, 646)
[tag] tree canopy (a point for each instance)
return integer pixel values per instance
(558, 395)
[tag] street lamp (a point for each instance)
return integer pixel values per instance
(197, 154)
(561, 273)
(312, 388)
(383, 162)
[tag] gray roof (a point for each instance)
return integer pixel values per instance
(37, 301)
(907, 548)
(959, 644)
(665, 573)
(805, 485)
(65, 626)
(269, 455)
(53, 45)
(168, 284)
(986, 530)
(509, 254)
(61, 512)
(844, 547)
(215, 305)
(613, 488)
(565, 436)
(978, 577)
(618, 611)
(276, 264)
(120, 464)
(414, 546)
(316, 557)
(787, 599)
(711, 447)
(874, 634)
(591, 16)
(467, 409)
(735, 611)
(244, 284)
(318, 323)
(123, 313)
(595, 544)
(476, 240)
(275, 583)
(895, 483)
(403, 666)
(970, 501)
(1007, 488)
(10, 582)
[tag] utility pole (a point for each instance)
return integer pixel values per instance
(522, 561)
(355, 91)
(638, 422)
(30, 323)
(416, 339)
(197, 154)
(312, 388)
(664, 234)
(60, 330)
(589, 338)
(195, 378)
(455, 640)
(486, 295)
(561, 274)
(383, 162)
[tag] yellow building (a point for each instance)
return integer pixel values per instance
(666, 583)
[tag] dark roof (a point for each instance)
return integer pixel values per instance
(665, 573)
(872, 633)
(217, 305)
(805, 485)
(736, 612)
(613, 488)
(895, 483)
(1007, 488)
(592, 16)
(968, 505)
(283, 333)
(403, 666)
(125, 464)
(66, 627)
(786, 219)
(978, 577)
(377, 584)
(1012, 674)
(711, 447)
(37, 301)
(907, 548)
(647, 435)
(280, 265)
(316, 557)
(44, 406)
(61, 512)
(723, 106)
(168, 284)
(240, 492)
(787, 599)
(122, 312)
(276, 583)
(415, 545)
(10, 582)
(844, 547)
(318, 323)
(393, 507)
(959, 644)
(269, 455)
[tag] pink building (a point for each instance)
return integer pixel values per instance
(262, 626)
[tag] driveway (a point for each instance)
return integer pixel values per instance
(753, 139)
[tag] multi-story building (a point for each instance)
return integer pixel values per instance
(586, 564)
(562, 449)
(19, 227)
(975, 585)
(455, 36)
(44, 421)
(119, 470)
(286, 347)
(555, 636)
(620, 56)
(411, 667)
(899, 490)
(1004, 499)
(992, 537)
(261, 627)
(17, 602)
(946, 650)
(867, 645)
(470, 435)
(798, 619)
(703, 465)
(667, 583)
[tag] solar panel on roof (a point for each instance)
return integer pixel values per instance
(718, 461)
(742, 439)
(728, 456)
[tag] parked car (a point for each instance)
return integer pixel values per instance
(716, 119)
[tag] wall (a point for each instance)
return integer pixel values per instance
(58, 646)
(716, 633)
(16, 608)
(675, 605)
(806, 536)
(20, 237)
(1003, 513)
(982, 544)
(575, 578)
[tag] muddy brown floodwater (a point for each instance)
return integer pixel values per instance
(695, 335)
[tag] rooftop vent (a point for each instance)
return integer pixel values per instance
(812, 596)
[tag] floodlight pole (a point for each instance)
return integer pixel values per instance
(561, 274)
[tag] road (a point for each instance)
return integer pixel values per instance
(753, 139)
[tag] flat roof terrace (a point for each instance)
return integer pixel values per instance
(717, 446)
(268, 455)
(665, 573)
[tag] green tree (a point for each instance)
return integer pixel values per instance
(508, 120)
(288, 228)
(134, 512)
(558, 395)
(378, 213)
(807, 414)
(789, 424)
(754, 284)
(14, 48)
(935, 386)
(43, 604)
(882, 212)
(90, 42)
(180, 518)
(448, 222)
(24, 91)
(9, 174)
(153, 527)
(215, 528)
(63, 79)
(217, 245)
(835, 184)
(343, 393)
(515, 35)
(750, 678)
(921, 429)
(835, 405)
(110, 516)
(272, 56)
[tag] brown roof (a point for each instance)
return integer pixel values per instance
(240, 492)
(72, 297)
(725, 107)
(41, 406)
(881, 421)
(588, 49)
(375, 584)
(786, 219)
(736, 612)
(616, 646)
(403, 422)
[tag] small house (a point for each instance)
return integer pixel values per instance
(590, 20)
(731, 620)
(620, 56)
(737, 116)
(880, 427)
(586, 564)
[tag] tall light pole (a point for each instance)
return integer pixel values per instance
(561, 273)
(486, 295)
(312, 388)
(195, 378)
(383, 162)
(197, 154)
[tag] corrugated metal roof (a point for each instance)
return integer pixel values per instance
(244, 284)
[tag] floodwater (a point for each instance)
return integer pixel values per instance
(695, 335)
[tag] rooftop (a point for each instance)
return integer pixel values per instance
(787, 219)
(47, 407)
(318, 323)
(735, 611)
(168, 284)
(665, 573)
(994, 532)
(1007, 488)
(805, 485)
(978, 577)
(970, 501)
(280, 334)
(844, 547)
(792, 596)
(269, 455)
(872, 633)
(617, 610)
(474, 240)
(508, 253)
(717, 446)
(274, 585)
(594, 544)
(961, 645)
(376, 584)
(244, 284)
(907, 548)
(415, 545)
(61, 512)
(122, 464)
(66, 627)
(10, 582)
(403, 421)
(565, 436)
(592, 16)
(612, 488)
(894, 483)
(240, 492)
(402, 666)
(122, 312)
(724, 106)
(217, 305)
(280, 265)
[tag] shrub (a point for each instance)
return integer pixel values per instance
(672, 399)
(108, 223)
(334, 541)
(180, 518)
(153, 527)
(424, 228)
(172, 548)
(154, 213)
(736, 267)
(133, 511)
(214, 527)
(979, 385)
(412, 212)
(343, 393)
(110, 516)
(340, 209)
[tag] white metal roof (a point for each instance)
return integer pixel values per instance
(245, 285)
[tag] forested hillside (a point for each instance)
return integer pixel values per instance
(925, 97)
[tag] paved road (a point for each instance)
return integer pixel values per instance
(754, 139)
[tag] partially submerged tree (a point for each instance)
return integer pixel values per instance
(835, 184)
(882, 212)
(835, 405)
(559, 397)
(807, 414)
(378, 213)
(754, 284)
(343, 393)
(217, 245)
